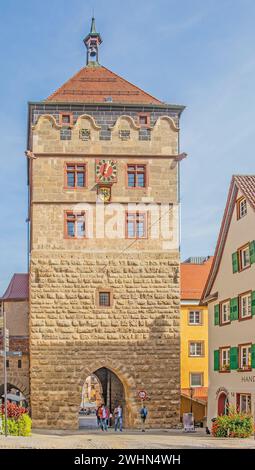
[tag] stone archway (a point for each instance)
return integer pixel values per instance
(123, 387)
(16, 385)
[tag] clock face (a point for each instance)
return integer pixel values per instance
(106, 171)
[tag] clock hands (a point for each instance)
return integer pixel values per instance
(106, 167)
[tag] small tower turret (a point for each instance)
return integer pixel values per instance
(92, 42)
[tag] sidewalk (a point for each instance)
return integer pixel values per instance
(152, 439)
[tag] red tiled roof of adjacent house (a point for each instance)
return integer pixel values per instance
(96, 84)
(246, 184)
(193, 279)
(17, 289)
(199, 393)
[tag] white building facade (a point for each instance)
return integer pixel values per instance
(230, 293)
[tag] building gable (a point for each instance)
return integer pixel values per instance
(241, 185)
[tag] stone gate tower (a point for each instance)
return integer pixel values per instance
(104, 255)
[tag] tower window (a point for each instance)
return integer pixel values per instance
(7, 363)
(144, 119)
(75, 225)
(65, 134)
(75, 175)
(19, 364)
(136, 226)
(66, 119)
(136, 176)
(104, 299)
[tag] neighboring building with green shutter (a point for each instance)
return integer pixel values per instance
(230, 294)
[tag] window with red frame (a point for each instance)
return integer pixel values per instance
(144, 119)
(245, 357)
(75, 225)
(66, 119)
(75, 175)
(243, 402)
(136, 226)
(136, 176)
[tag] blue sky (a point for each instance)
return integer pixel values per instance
(193, 52)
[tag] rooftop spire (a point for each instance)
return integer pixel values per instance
(93, 26)
(92, 42)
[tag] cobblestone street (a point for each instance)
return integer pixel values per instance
(126, 440)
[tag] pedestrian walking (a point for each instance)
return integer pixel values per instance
(143, 414)
(104, 418)
(118, 418)
(99, 415)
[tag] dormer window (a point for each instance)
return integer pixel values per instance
(241, 208)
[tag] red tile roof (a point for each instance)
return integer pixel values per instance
(94, 84)
(17, 289)
(199, 393)
(193, 279)
(246, 184)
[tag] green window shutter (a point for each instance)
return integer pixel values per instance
(253, 303)
(253, 356)
(235, 262)
(216, 314)
(234, 358)
(234, 309)
(252, 252)
(216, 360)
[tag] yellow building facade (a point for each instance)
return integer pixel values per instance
(194, 346)
(194, 338)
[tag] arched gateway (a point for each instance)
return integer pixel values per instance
(117, 387)
(113, 392)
